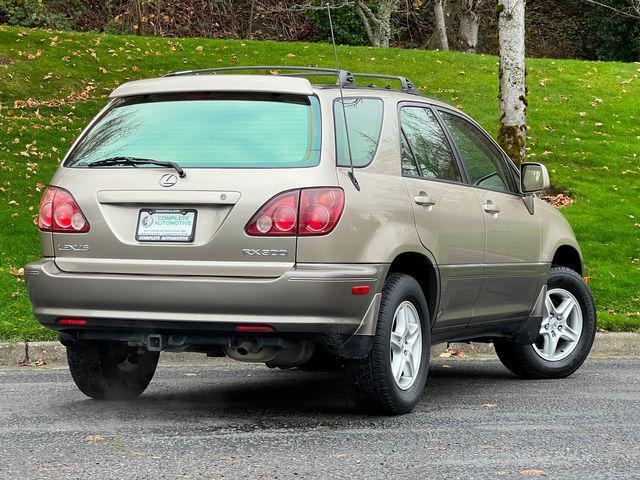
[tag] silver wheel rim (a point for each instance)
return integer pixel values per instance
(561, 326)
(406, 345)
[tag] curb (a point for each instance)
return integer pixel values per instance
(622, 344)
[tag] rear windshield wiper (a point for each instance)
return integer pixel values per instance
(137, 161)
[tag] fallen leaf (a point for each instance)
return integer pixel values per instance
(199, 48)
(16, 272)
(530, 472)
(95, 438)
(451, 352)
(489, 405)
(557, 201)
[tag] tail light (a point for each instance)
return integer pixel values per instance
(320, 210)
(310, 211)
(59, 212)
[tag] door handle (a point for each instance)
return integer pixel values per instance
(491, 207)
(424, 199)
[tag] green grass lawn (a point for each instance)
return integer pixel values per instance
(584, 124)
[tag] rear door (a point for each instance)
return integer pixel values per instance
(448, 218)
(513, 271)
(238, 151)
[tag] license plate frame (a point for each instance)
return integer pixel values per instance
(170, 234)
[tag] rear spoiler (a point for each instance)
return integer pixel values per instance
(215, 83)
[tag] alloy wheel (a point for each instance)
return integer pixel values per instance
(406, 345)
(561, 326)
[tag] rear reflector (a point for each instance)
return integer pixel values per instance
(72, 321)
(254, 328)
(360, 289)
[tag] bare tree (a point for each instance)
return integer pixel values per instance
(632, 9)
(469, 23)
(512, 135)
(440, 27)
(377, 24)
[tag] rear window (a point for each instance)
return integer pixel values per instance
(208, 131)
(364, 118)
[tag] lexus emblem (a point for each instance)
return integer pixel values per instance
(168, 180)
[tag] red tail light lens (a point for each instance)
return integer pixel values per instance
(279, 216)
(59, 212)
(310, 211)
(320, 210)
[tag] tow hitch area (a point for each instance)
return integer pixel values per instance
(155, 342)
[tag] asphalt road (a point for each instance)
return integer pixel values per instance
(245, 421)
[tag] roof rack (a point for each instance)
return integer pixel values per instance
(344, 78)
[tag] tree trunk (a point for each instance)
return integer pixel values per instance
(512, 135)
(440, 26)
(469, 23)
(251, 14)
(377, 25)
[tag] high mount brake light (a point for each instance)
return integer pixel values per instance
(308, 212)
(59, 212)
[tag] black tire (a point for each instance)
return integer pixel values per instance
(111, 370)
(523, 360)
(371, 380)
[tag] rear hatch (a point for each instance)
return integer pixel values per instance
(238, 151)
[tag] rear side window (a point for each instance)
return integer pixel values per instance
(364, 117)
(425, 144)
(208, 131)
(484, 162)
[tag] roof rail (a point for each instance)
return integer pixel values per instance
(344, 78)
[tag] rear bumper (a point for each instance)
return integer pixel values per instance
(309, 299)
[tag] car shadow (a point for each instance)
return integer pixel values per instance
(265, 398)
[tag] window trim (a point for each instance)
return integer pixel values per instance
(463, 173)
(508, 164)
(335, 128)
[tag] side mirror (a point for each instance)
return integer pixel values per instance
(534, 177)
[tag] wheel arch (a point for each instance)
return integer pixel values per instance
(420, 267)
(568, 256)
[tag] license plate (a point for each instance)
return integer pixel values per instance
(166, 225)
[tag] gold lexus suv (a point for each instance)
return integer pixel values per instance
(269, 219)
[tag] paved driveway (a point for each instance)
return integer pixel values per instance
(232, 420)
